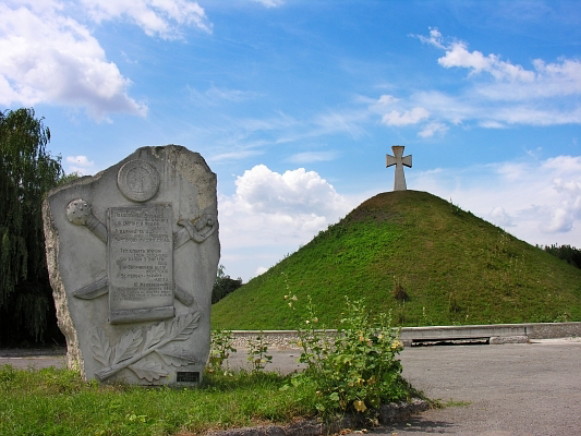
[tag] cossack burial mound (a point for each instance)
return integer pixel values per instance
(418, 257)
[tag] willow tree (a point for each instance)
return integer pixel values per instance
(27, 172)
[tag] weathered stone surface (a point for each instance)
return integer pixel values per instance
(133, 254)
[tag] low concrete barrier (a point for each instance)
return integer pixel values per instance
(494, 334)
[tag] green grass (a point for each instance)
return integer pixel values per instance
(57, 402)
(455, 267)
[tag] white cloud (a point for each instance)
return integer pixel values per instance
(404, 118)
(271, 212)
(538, 201)
(51, 58)
(496, 94)
(312, 156)
(162, 18)
(270, 3)
(457, 55)
(79, 164)
(266, 191)
(216, 95)
(501, 217)
(435, 38)
(347, 121)
(433, 128)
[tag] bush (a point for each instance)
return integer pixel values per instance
(357, 370)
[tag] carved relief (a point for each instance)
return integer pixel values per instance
(130, 241)
(138, 180)
(139, 223)
(136, 345)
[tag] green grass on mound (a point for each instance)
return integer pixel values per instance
(419, 257)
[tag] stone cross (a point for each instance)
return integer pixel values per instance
(399, 161)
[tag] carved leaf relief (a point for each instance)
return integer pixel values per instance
(154, 335)
(129, 344)
(176, 357)
(149, 371)
(101, 347)
(182, 326)
(134, 345)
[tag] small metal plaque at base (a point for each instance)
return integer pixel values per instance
(188, 377)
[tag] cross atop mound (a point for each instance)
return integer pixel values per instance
(399, 161)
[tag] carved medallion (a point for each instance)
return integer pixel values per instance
(138, 180)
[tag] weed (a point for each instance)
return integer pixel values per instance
(399, 292)
(220, 351)
(257, 353)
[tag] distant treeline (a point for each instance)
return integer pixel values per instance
(567, 253)
(224, 285)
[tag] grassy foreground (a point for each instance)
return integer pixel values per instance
(57, 402)
(418, 257)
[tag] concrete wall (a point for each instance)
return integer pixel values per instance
(500, 333)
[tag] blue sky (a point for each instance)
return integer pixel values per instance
(294, 104)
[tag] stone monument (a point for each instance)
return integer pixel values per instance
(399, 161)
(132, 254)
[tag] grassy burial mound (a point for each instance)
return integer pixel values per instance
(419, 257)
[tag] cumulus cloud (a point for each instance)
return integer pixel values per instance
(54, 59)
(49, 56)
(271, 211)
(295, 191)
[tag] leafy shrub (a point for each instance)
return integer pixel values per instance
(356, 370)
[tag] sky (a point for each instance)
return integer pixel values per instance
(295, 103)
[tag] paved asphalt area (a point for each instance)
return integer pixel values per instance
(501, 390)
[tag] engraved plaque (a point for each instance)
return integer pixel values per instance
(140, 262)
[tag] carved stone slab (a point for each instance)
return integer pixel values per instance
(133, 254)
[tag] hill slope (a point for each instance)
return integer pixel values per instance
(454, 268)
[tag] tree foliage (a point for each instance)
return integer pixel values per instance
(567, 253)
(224, 285)
(27, 172)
